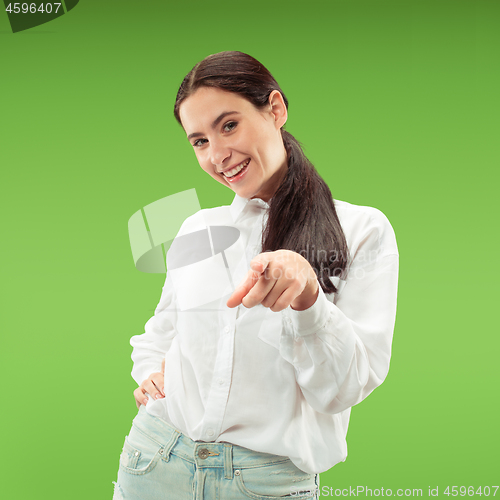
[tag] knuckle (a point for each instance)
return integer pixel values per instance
(276, 273)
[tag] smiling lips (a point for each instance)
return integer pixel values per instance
(237, 169)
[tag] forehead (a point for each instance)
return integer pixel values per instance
(207, 103)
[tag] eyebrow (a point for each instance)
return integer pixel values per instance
(214, 123)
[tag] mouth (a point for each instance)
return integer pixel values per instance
(237, 172)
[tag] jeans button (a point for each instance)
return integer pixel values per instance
(203, 453)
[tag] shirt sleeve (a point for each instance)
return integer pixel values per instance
(149, 348)
(341, 351)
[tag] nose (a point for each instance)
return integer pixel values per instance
(219, 154)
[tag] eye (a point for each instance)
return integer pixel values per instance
(199, 142)
(229, 126)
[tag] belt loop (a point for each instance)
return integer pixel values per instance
(228, 461)
(170, 444)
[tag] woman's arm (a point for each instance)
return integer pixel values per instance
(340, 351)
(149, 348)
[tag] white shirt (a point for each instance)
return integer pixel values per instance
(275, 382)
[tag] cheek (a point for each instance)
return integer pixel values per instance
(265, 145)
(248, 142)
(273, 152)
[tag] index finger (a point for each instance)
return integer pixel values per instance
(248, 283)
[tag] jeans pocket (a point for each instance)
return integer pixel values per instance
(140, 454)
(276, 481)
(129, 456)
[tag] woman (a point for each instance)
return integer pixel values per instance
(249, 394)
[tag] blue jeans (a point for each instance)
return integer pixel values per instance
(159, 462)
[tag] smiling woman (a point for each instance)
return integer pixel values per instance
(241, 148)
(250, 396)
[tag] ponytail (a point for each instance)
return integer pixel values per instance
(302, 218)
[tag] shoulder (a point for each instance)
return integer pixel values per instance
(366, 227)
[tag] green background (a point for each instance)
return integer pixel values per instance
(397, 105)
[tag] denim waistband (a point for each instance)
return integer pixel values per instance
(223, 455)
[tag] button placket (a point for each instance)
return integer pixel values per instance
(219, 389)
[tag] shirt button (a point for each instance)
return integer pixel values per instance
(226, 329)
(288, 320)
(221, 381)
(210, 432)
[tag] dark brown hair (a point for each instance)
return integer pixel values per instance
(302, 215)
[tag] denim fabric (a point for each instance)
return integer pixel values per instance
(159, 462)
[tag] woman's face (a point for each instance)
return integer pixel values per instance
(228, 133)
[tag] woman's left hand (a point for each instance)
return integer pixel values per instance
(277, 280)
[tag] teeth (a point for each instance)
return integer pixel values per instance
(235, 170)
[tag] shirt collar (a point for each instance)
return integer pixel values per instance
(239, 205)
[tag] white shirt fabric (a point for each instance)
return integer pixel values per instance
(275, 382)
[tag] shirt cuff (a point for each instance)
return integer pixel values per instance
(309, 320)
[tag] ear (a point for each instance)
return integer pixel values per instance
(278, 108)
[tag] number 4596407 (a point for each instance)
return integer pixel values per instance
(32, 8)
(471, 491)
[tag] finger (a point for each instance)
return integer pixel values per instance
(160, 392)
(260, 292)
(241, 290)
(151, 387)
(140, 397)
(158, 381)
(275, 292)
(285, 299)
